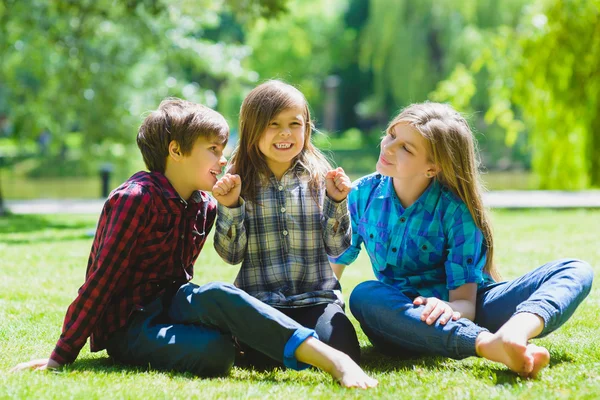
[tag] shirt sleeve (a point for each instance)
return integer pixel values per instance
(337, 231)
(352, 251)
(466, 251)
(230, 233)
(125, 214)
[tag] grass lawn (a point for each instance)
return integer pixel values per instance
(42, 264)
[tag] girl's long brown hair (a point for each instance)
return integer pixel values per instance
(453, 150)
(261, 105)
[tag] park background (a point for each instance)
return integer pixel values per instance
(77, 77)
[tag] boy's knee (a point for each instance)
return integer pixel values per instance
(219, 290)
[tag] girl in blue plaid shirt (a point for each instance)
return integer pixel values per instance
(282, 211)
(422, 220)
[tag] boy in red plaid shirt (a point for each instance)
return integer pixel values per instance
(137, 301)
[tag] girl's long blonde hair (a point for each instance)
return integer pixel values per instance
(453, 150)
(261, 105)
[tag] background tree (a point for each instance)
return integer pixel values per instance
(94, 66)
(544, 80)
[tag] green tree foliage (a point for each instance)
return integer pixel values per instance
(303, 46)
(544, 81)
(556, 74)
(94, 66)
(411, 45)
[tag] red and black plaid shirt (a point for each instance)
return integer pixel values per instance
(147, 238)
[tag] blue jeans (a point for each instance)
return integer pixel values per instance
(393, 324)
(329, 322)
(194, 332)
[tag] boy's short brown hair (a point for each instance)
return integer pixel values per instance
(182, 121)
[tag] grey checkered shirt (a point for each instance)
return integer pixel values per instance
(283, 241)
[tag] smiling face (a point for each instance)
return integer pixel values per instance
(405, 154)
(196, 170)
(203, 164)
(283, 140)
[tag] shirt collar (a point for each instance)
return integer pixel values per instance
(169, 191)
(298, 168)
(429, 199)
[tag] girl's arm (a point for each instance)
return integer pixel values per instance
(335, 220)
(338, 264)
(464, 270)
(338, 269)
(463, 299)
(461, 304)
(230, 233)
(335, 223)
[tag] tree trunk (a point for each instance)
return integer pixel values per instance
(3, 210)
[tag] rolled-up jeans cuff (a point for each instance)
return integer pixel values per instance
(539, 311)
(465, 341)
(297, 338)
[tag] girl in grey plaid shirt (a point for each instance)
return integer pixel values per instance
(282, 212)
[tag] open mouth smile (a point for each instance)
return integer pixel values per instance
(283, 146)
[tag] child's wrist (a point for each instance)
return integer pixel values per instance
(235, 204)
(336, 200)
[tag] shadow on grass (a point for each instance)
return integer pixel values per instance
(373, 360)
(109, 365)
(27, 223)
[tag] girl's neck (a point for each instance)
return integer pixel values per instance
(409, 190)
(279, 169)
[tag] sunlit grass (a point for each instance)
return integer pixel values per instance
(42, 264)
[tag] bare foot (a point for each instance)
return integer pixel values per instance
(510, 351)
(541, 358)
(339, 365)
(350, 375)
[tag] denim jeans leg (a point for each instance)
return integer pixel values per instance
(552, 291)
(231, 310)
(388, 316)
(165, 346)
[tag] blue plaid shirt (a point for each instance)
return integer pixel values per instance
(427, 249)
(284, 240)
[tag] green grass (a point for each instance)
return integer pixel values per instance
(42, 264)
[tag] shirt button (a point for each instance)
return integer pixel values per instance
(469, 260)
(182, 236)
(282, 209)
(371, 236)
(280, 188)
(424, 247)
(394, 249)
(285, 233)
(402, 219)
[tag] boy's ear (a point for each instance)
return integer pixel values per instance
(175, 150)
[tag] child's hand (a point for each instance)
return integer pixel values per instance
(435, 309)
(40, 364)
(227, 190)
(338, 184)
